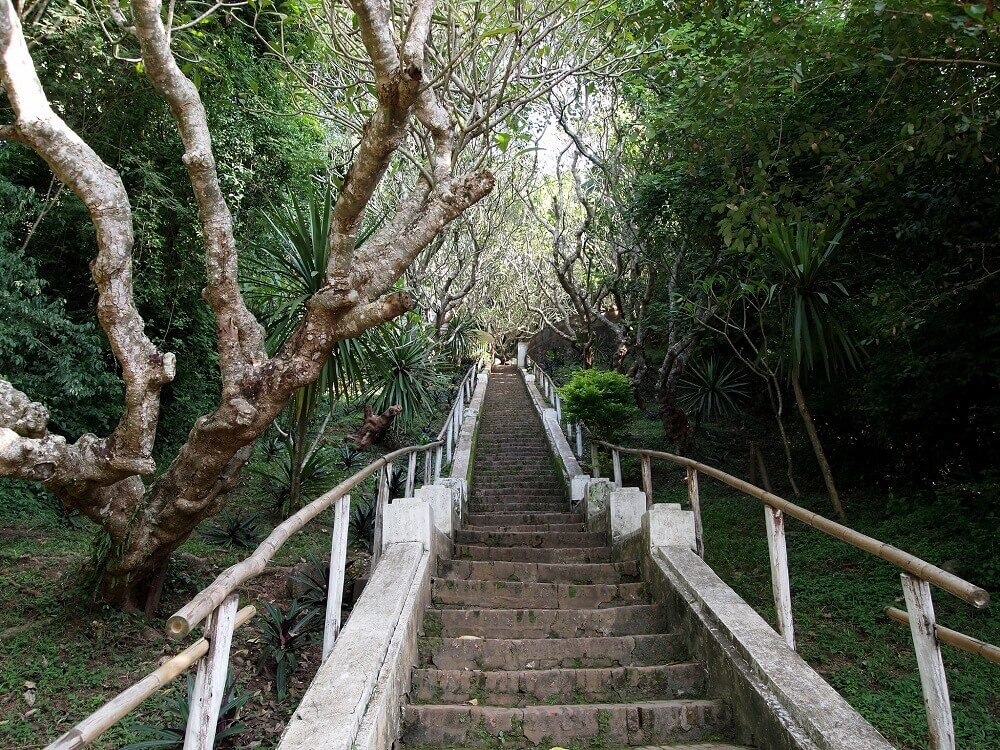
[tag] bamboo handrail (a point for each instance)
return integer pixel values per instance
(959, 587)
(205, 601)
(122, 704)
(952, 637)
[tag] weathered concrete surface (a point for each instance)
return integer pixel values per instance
(465, 449)
(666, 525)
(626, 507)
(353, 702)
(778, 701)
(572, 473)
(522, 353)
(408, 519)
(443, 507)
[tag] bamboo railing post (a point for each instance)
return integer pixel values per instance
(933, 681)
(616, 465)
(411, 474)
(778, 554)
(210, 680)
(647, 480)
(338, 563)
(595, 461)
(695, 498)
(579, 440)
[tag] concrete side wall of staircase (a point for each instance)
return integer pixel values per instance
(354, 700)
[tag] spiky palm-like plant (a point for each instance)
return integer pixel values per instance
(811, 301)
(712, 389)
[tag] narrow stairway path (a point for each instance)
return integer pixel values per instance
(535, 637)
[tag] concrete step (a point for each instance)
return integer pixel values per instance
(550, 653)
(578, 573)
(563, 686)
(528, 494)
(633, 619)
(485, 519)
(532, 528)
(507, 594)
(534, 554)
(586, 726)
(531, 539)
(552, 506)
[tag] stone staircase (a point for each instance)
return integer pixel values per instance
(535, 637)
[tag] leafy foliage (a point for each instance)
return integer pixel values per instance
(316, 474)
(282, 635)
(712, 389)
(406, 370)
(234, 532)
(601, 399)
(361, 530)
(177, 710)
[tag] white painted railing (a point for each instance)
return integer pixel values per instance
(218, 605)
(548, 389)
(916, 577)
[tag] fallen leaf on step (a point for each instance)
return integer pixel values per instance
(469, 638)
(474, 702)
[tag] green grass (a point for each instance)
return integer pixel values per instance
(839, 593)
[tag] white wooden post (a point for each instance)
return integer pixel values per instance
(411, 475)
(616, 465)
(933, 681)
(595, 461)
(579, 440)
(558, 402)
(427, 466)
(380, 499)
(647, 480)
(451, 430)
(695, 498)
(338, 563)
(778, 552)
(210, 681)
(438, 454)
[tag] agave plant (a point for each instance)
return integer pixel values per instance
(315, 475)
(283, 634)
(350, 459)
(712, 389)
(177, 710)
(231, 531)
(405, 369)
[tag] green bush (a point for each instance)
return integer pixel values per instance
(601, 399)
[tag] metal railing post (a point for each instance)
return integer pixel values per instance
(210, 680)
(782, 589)
(338, 565)
(933, 681)
(695, 498)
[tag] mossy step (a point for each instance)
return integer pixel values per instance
(505, 594)
(517, 654)
(558, 686)
(632, 619)
(536, 572)
(583, 726)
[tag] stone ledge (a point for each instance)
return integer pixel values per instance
(372, 650)
(778, 700)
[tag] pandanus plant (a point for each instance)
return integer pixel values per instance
(811, 302)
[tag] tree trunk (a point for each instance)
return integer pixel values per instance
(824, 465)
